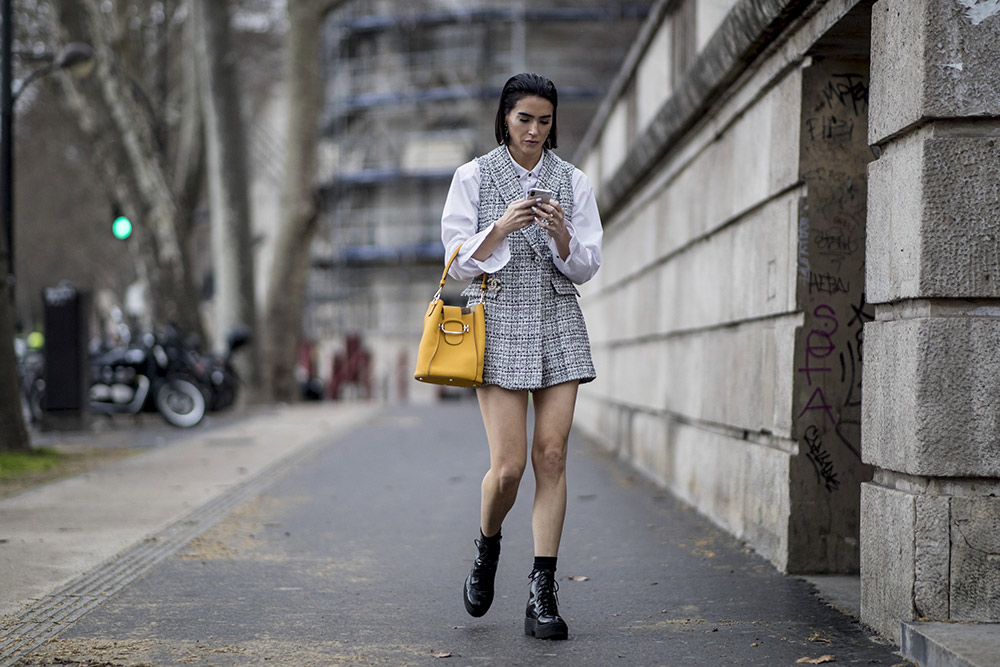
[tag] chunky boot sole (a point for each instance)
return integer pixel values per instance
(545, 630)
(474, 610)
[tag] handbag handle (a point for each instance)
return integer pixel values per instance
(444, 276)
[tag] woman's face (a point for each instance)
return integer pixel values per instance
(528, 125)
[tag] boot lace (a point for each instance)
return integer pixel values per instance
(546, 587)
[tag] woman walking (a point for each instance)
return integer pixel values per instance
(534, 249)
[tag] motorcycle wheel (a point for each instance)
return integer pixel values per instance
(180, 402)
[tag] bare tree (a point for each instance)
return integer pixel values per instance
(286, 292)
(118, 117)
(227, 173)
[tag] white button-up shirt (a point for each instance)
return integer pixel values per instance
(461, 218)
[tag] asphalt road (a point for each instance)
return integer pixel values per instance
(356, 556)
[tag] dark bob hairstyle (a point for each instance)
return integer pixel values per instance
(517, 88)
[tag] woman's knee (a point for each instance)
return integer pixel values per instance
(549, 459)
(508, 477)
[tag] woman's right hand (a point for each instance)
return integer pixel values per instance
(517, 216)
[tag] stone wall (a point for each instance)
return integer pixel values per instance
(797, 338)
(726, 319)
(931, 422)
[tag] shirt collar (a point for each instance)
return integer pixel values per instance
(521, 171)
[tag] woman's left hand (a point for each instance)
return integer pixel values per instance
(551, 218)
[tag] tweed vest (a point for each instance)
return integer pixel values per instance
(498, 187)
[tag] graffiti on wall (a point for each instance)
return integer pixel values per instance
(831, 247)
(843, 105)
(820, 458)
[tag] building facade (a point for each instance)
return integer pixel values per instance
(796, 323)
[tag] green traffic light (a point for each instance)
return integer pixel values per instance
(122, 227)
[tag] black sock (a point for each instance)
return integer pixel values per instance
(545, 563)
(493, 540)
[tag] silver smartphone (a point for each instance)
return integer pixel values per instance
(540, 193)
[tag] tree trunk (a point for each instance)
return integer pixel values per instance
(227, 176)
(13, 434)
(189, 163)
(287, 283)
(144, 190)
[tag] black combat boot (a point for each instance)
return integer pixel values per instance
(478, 590)
(541, 618)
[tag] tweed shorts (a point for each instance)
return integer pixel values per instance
(536, 340)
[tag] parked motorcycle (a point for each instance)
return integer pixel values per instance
(158, 373)
(219, 373)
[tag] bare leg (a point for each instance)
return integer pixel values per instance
(505, 418)
(553, 417)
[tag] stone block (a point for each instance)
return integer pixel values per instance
(975, 559)
(932, 59)
(596, 416)
(649, 446)
(765, 506)
(614, 139)
(931, 552)
(887, 558)
(629, 246)
(930, 388)
(653, 77)
(951, 644)
(895, 211)
(934, 202)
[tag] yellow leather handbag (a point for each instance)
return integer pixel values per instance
(452, 344)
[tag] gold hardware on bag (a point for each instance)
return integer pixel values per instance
(459, 362)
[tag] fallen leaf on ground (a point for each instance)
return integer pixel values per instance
(816, 661)
(817, 637)
(441, 654)
(578, 578)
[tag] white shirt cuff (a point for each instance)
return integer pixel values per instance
(469, 267)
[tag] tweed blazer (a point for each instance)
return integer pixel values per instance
(536, 336)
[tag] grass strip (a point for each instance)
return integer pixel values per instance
(20, 464)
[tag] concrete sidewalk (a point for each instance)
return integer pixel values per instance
(51, 534)
(354, 551)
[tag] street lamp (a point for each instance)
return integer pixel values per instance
(76, 57)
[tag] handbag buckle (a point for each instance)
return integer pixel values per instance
(464, 330)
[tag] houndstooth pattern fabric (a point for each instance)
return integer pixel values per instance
(535, 333)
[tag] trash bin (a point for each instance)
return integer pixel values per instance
(66, 318)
